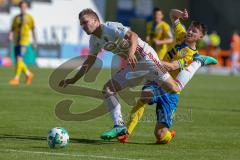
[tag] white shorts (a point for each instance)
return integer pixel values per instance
(148, 68)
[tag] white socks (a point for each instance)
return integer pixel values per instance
(115, 109)
(186, 74)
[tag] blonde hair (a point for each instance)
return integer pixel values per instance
(88, 11)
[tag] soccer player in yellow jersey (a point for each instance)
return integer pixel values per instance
(20, 36)
(159, 34)
(183, 56)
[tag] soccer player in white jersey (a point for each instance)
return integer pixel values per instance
(120, 40)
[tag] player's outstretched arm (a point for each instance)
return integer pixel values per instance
(171, 66)
(11, 33)
(177, 64)
(84, 69)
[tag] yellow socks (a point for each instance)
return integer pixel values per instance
(169, 135)
(21, 66)
(135, 115)
(167, 138)
(24, 68)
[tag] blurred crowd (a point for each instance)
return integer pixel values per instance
(158, 36)
(210, 45)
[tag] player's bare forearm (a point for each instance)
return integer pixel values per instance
(148, 38)
(10, 36)
(165, 41)
(174, 65)
(168, 41)
(176, 14)
(132, 37)
(34, 37)
(85, 67)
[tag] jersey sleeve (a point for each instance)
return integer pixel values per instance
(32, 23)
(94, 46)
(167, 31)
(179, 32)
(117, 29)
(148, 28)
(13, 26)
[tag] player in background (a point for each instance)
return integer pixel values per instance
(22, 24)
(154, 94)
(159, 34)
(235, 49)
(120, 40)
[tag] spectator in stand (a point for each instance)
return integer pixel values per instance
(214, 44)
(235, 50)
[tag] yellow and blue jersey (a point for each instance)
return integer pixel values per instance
(21, 27)
(167, 101)
(159, 31)
(179, 50)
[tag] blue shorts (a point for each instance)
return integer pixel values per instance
(166, 103)
(20, 50)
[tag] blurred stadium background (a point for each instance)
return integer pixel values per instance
(60, 36)
(207, 122)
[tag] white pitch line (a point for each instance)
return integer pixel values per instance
(66, 154)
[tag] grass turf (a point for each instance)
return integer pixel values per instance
(207, 122)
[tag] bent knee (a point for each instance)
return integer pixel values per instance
(160, 131)
(174, 88)
(172, 85)
(159, 135)
(107, 91)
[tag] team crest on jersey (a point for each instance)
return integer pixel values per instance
(183, 52)
(117, 46)
(159, 30)
(120, 29)
(125, 44)
(109, 46)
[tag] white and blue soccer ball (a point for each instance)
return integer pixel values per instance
(58, 137)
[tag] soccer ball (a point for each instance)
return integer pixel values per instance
(58, 137)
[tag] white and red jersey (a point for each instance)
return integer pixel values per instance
(148, 66)
(112, 39)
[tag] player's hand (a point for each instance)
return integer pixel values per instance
(10, 37)
(132, 60)
(158, 42)
(185, 14)
(64, 83)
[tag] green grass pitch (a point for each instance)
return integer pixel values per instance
(207, 123)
